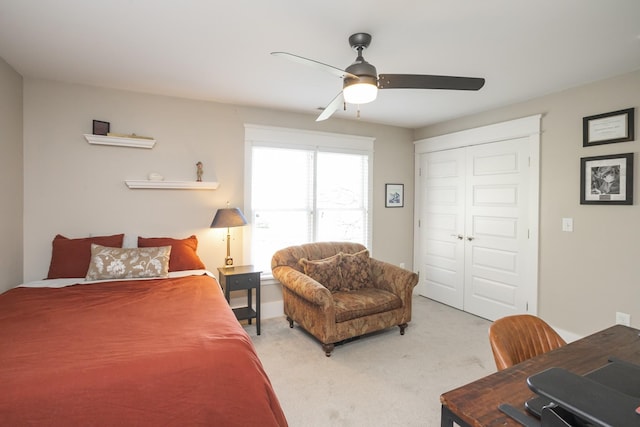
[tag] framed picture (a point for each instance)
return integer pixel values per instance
(607, 180)
(607, 128)
(100, 128)
(393, 195)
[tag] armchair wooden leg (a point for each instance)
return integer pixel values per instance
(403, 327)
(290, 320)
(328, 348)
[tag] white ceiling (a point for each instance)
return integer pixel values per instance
(219, 50)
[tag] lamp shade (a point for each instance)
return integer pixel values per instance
(228, 217)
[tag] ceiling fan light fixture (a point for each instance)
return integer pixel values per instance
(360, 91)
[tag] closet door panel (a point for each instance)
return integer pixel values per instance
(442, 227)
(496, 228)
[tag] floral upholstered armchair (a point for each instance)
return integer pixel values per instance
(335, 291)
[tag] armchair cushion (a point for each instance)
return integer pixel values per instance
(356, 270)
(324, 271)
(365, 302)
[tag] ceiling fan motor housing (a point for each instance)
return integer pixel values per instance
(366, 73)
(363, 88)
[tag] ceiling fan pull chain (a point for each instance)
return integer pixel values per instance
(358, 114)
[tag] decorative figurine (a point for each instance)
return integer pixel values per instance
(199, 171)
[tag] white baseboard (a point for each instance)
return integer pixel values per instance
(566, 335)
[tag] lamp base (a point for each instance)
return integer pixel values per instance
(228, 261)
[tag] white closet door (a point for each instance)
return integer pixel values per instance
(496, 229)
(442, 226)
(474, 228)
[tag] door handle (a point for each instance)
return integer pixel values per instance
(458, 236)
(470, 238)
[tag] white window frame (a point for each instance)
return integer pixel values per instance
(270, 136)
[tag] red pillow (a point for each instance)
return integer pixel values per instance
(183, 251)
(71, 257)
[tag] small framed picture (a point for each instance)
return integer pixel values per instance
(607, 180)
(100, 127)
(607, 128)
(393, 195)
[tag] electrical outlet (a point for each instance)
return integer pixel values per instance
(402, 265)
(623, 319)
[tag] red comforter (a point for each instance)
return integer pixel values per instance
(149, 352)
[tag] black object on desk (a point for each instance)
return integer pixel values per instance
(607, 396)
(240, 278)
(586, 398)
(620, 375)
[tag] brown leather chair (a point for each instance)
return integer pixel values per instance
(515, 339)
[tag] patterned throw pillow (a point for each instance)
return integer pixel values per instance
(324, 271)
(128, 263)
(355, 270)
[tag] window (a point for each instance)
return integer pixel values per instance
(304, 187)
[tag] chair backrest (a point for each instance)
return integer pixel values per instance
(515, 339)
(312, 251)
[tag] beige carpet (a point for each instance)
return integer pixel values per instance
(383, 379)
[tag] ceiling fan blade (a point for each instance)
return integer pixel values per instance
(331, 108)
(315, 64)
(418, 81)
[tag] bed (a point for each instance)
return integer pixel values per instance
(144, 351)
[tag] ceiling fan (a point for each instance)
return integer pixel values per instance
(361, 82)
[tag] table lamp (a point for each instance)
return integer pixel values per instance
(228, 217)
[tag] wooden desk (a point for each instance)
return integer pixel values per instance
(476, 404)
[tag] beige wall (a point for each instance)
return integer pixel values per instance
(77, 189)
(589, 274)
(11, 164)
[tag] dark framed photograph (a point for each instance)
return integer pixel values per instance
(607, 128)
(607, 180)
(393, 195)
(100, 127)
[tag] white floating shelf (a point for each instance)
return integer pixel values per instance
(119, 141)
(172, 185)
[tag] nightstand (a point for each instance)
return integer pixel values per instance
(242, 277)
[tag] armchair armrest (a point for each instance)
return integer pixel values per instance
(303, 286)
(392, 278)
